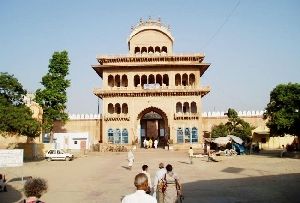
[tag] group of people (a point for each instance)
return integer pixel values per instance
(166, 187)
(149, 143)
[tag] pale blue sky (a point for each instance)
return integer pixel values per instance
(258, 48)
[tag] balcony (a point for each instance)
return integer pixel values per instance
(116, 117)
(186, 116)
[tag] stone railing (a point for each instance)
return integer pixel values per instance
(240, 114)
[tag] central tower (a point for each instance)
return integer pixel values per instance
(151, 93)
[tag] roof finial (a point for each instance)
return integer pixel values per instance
(141, 20)
(159, 19)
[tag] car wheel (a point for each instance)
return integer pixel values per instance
(68, 158)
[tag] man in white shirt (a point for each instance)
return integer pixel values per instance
(159, 175)
(145, 171)
(140, 196)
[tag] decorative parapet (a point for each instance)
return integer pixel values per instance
(221, 114)
(84, 116)
(139, 92)
(186, 116)
(150, 58)
(116, 117)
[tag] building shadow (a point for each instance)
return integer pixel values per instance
(274, 188)
(276, 154)
(12, 195)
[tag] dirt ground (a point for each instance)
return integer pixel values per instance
(104, 177)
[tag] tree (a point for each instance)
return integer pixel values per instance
(234, 126)
(53, 97)
(220, 130)
(15, 116)
(282, 111)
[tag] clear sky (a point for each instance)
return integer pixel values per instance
(258, 47)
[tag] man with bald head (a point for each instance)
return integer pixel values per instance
(140, 196)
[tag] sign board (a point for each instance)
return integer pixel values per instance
(11, 157)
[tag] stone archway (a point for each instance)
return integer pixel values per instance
(153, 124)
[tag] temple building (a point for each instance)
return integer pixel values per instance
(152, 92)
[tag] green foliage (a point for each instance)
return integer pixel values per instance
(10, 89)
(235, 126)
(219, 131)
(283, 110)
(53, 97)
(15, 117)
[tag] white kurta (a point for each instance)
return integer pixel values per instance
(130, 158)
(139, 196)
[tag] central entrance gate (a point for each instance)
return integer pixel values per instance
(154, 126)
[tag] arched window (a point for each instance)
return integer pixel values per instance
(194, 135)
(144, 50)
(185, 79)
(117, 108)
(166, 79)
(193, 107)
(187, 135)
(179, 135)
(110, 136)
(159, 79)
(124, 136)
(143, 80)
(137, 50)
(151, 79)
(124, 81)
(136, 80)
(150, 50)
(177, 79)
(178, 107)
(110, 80)
(186, 107)
(192, 79)
(110, 108)
(117, 81)
(117, 136)
(124, 108)
(164, 49)
(157, 49)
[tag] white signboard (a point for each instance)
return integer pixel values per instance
(11, 157)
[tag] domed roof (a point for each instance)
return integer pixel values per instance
(150, 24)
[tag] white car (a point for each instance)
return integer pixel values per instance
(58, 154)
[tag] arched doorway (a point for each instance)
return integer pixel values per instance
(153, 123)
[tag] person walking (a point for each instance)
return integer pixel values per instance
(284, 150)
(130, 158)
(145, 171)
(3, 183)
(140, 196)
(155, 143)
(191, 154)
(34, 188)
(157, 184)
(173, 190)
